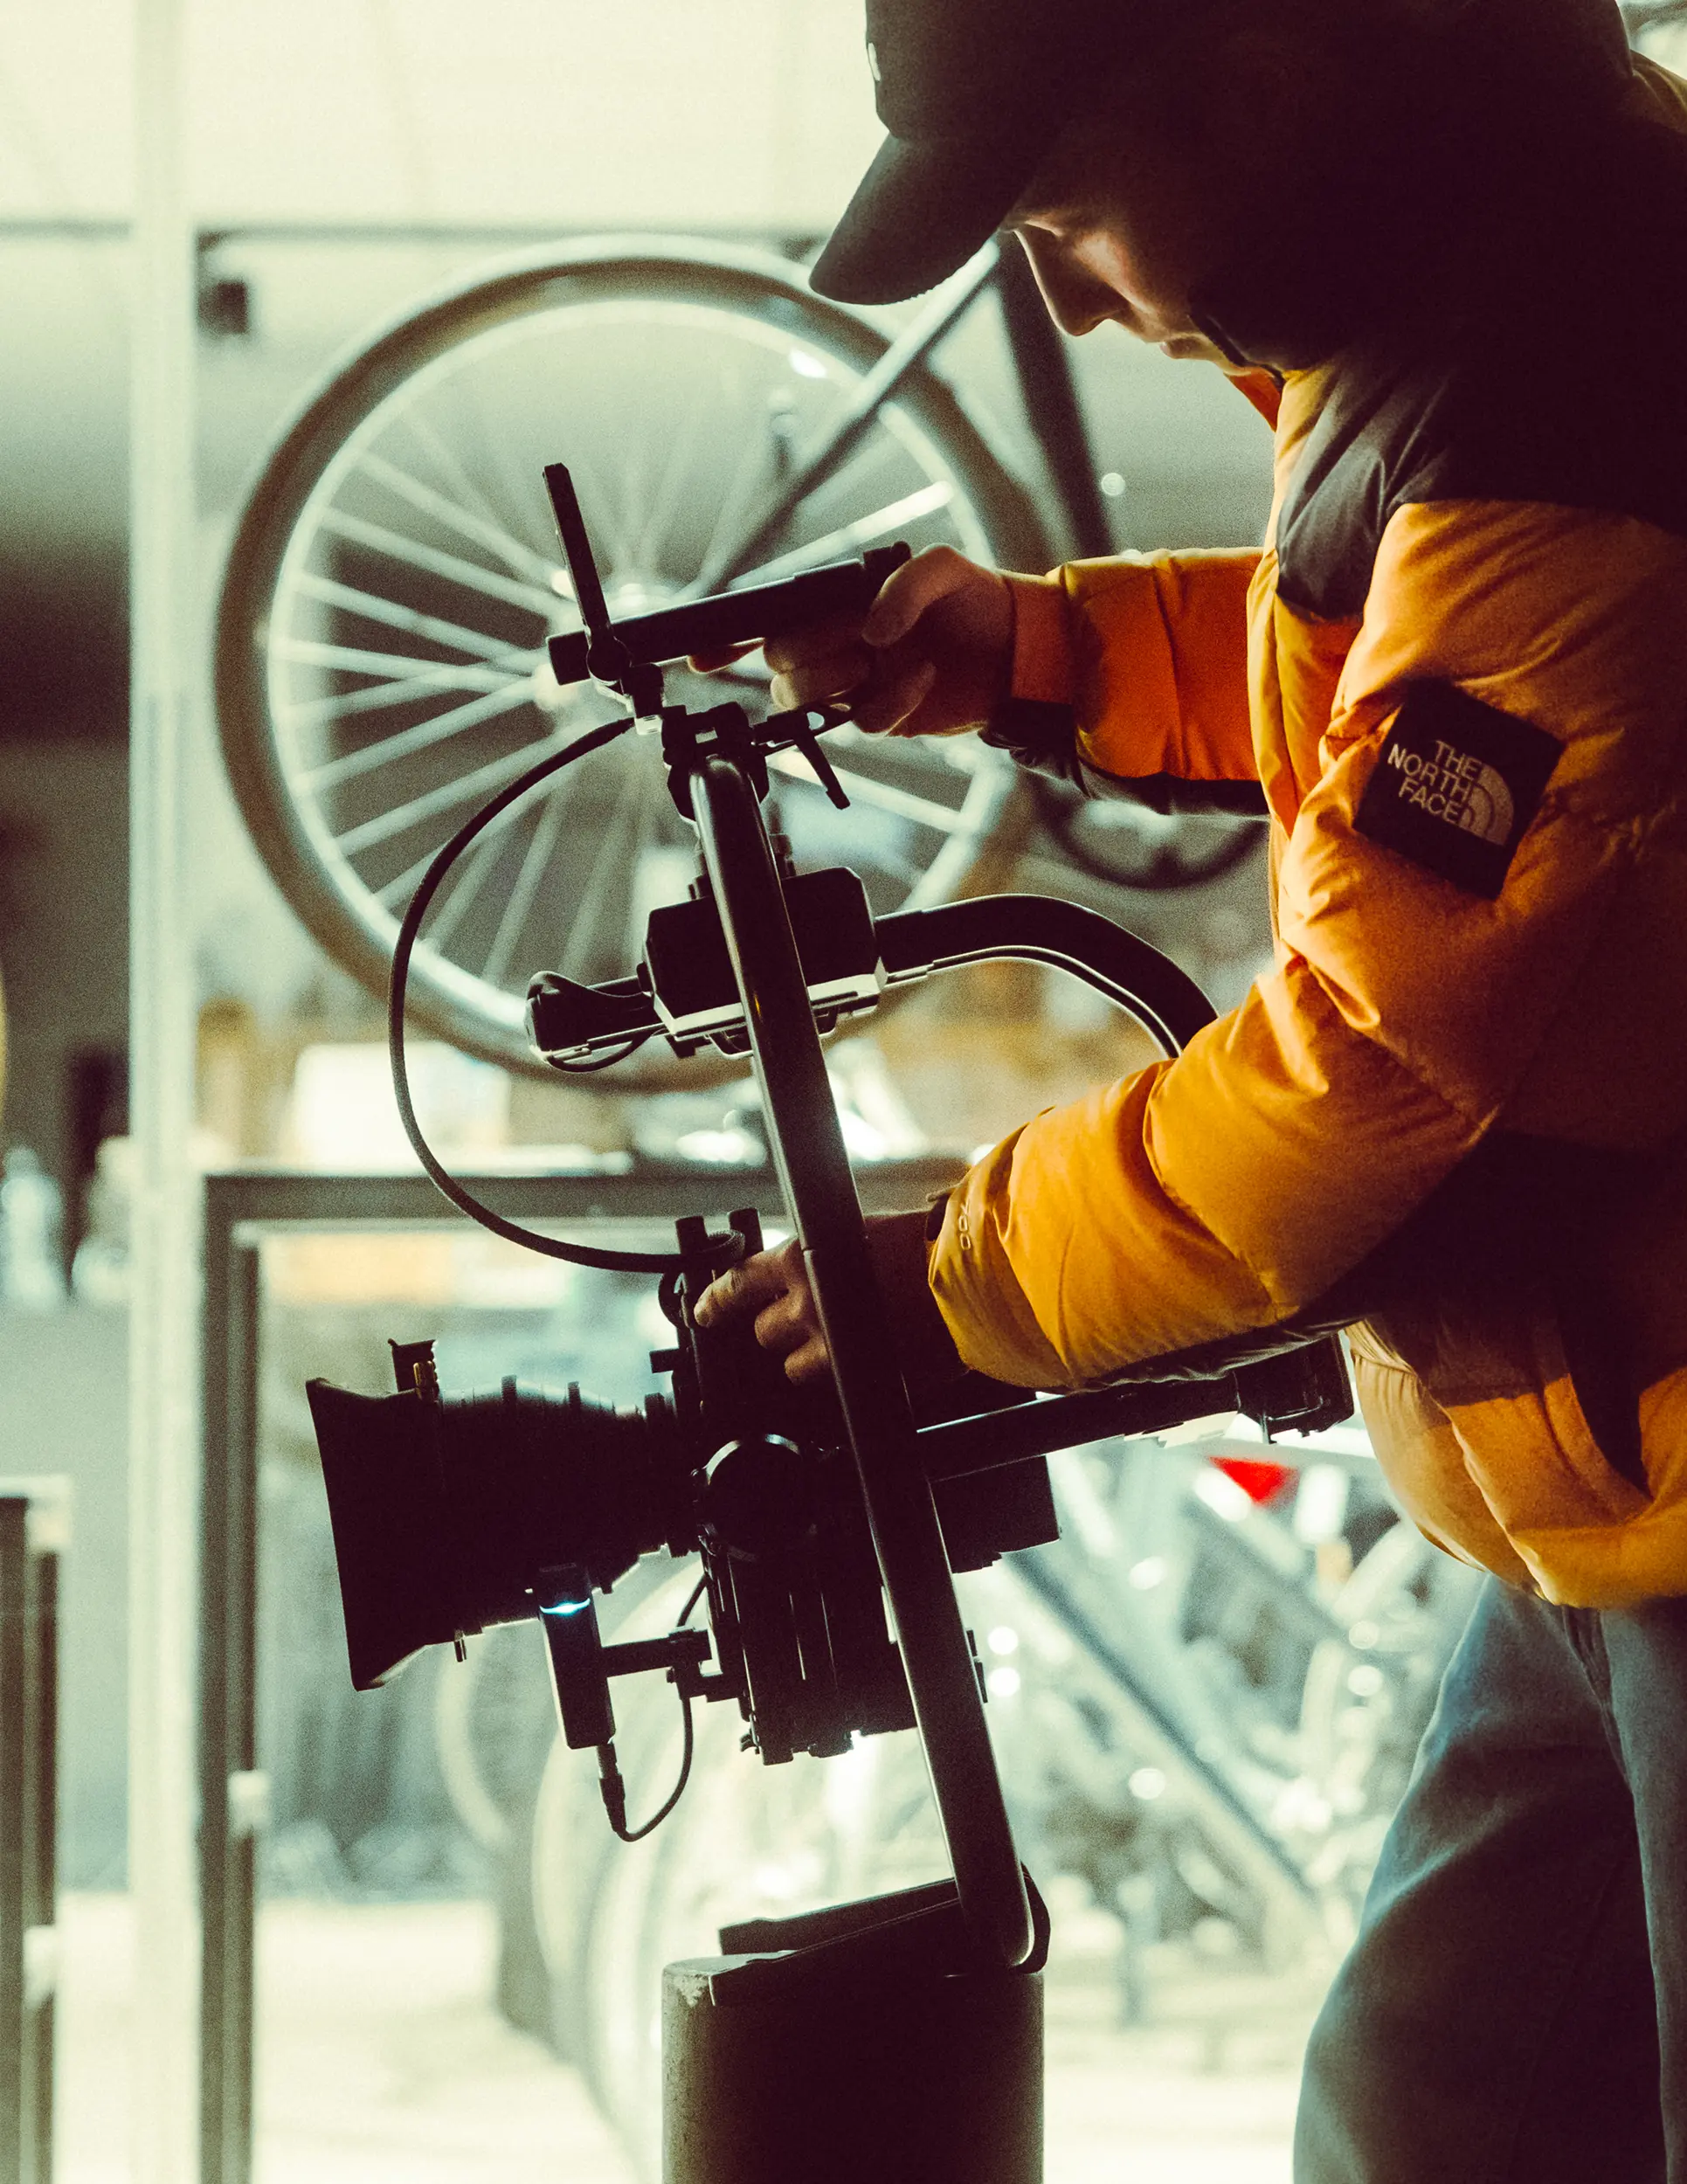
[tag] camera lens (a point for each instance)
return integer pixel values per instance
(445, 1513)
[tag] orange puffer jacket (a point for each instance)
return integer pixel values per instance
(1456, 1109)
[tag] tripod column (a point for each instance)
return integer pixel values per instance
(904, 2076)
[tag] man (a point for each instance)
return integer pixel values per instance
(1446, 242)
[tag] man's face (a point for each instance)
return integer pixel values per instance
(1095, 266)
(1126, 221)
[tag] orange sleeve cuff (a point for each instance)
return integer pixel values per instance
(1161, 677)
(1043, 667)
(984, 1306)
(1150, 651)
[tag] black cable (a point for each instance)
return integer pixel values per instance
(512, 1232)
(614, 1789)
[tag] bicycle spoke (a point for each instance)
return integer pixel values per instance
(519, 557)
(513, 921)
(482, 783)
(576, 956)
(472, 489)
(470, 877)
(653, 540)
(405, 668)
(398, 690)
(608, 535)
(858, 416)
(469, 574)
(399, 890)
(897, 865)
(372, 608)
(423, 736)
(837, 545)
(644, 841)
(730, 509)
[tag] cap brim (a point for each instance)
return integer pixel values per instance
(920, 211)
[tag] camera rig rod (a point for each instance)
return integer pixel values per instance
(808, 1150)
(744, 616)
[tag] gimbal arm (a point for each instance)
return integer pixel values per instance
(808, 1150)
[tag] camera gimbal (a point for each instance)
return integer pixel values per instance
(829, 1526)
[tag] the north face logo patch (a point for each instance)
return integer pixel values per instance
(1456, 786)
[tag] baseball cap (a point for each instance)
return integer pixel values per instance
(973, 92)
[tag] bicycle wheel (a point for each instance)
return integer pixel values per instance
(380, 660)
(1126, 845)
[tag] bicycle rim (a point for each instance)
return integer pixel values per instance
(380, 634)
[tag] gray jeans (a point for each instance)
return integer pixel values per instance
(1514, 2010)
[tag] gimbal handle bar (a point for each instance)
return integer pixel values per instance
(807, 1147)
(730, 618)
(1135, 976)
(567, 1019)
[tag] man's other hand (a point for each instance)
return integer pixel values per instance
(931, 656)
(773, 1287)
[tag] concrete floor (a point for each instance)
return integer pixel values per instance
(383, 2062)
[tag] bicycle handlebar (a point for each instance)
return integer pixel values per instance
(736, 617)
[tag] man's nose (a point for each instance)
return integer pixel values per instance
(1076, 301)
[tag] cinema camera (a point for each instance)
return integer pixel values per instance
(828, 1523)
(452, 1513)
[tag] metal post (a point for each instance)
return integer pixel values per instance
(14, 1805)
(48, 1524)
(33, 1525)
(228, 1726)
(162, 1530)
(807, 1147)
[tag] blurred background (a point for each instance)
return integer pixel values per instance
(435, 247)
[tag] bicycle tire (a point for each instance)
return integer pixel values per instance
(341, 605)
(1127, 846)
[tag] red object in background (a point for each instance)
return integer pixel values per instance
(1259, 1480)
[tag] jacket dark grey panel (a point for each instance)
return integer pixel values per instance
(1550, 372)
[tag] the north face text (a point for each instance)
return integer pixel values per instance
(1457, 785)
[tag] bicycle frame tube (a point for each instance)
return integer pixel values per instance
(1052, 403)
(819, 1189)
(1043, 369)
(910, 350)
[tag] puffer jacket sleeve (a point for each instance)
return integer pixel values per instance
(1137, 666)
(1406, 1015)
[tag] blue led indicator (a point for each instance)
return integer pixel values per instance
(568, 1608)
